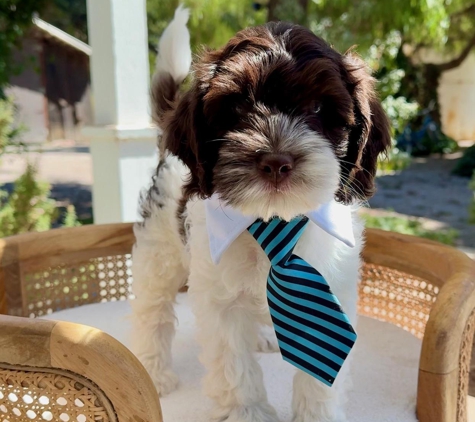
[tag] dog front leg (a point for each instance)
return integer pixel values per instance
(159, 273)
(314, 401)
(228, 335)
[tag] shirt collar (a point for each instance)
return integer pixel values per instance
(224, 224)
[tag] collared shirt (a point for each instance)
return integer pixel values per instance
(224, 224)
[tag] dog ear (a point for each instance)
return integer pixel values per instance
(368, 137)
(185, 135)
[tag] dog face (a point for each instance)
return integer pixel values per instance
(277, 123)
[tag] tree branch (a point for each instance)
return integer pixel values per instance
(271, 7)
(304, 6)
(452, 64)
(468, 10)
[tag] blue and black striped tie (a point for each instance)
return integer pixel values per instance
(313, 332)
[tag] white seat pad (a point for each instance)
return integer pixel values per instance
(384, 367)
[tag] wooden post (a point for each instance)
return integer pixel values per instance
(123, 143)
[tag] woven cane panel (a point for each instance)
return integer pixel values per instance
(396, 297)
(464, 367)
(67, 286)
(39, 396)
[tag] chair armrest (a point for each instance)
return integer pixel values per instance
(86, 355)
(33, 258)
(447, 343)
(448, 334)
(3, 296)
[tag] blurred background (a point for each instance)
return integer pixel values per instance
(421, 52)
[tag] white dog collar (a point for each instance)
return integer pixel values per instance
(225, 224)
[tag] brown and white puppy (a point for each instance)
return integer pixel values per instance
(275, 123)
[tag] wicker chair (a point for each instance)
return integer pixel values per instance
(70, 372)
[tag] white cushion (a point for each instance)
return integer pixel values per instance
(384, 367)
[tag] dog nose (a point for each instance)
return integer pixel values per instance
(275, 167)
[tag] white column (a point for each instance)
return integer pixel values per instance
(457, 100)
(123, 143)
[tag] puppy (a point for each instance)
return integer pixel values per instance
(275, 123)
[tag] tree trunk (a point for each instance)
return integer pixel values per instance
(304, 7)
(271, 8)
(452, 64)
(421, 82)
(428, 94)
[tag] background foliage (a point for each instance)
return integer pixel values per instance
(411, 226)
(466, 165)
(15, 20)
(10, 131)
(29, 207)
(69, 15)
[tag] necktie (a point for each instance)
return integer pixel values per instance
(313, 332)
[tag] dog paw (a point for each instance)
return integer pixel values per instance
(262, 412)
(311, 419)
(267, 340)
(321, 415)
(165, 380)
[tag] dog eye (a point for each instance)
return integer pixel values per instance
(317, 106)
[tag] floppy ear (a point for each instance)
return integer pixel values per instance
(369, 136)
(190, 129)
(185, 134)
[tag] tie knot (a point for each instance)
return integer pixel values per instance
(278, 237)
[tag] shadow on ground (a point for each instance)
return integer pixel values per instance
(78, 195)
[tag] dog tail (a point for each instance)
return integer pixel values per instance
(172, 65)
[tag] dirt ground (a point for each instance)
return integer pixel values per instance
(427, 189)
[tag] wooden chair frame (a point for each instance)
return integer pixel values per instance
(86, 355)
(40, 345)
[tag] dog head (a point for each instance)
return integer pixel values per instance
(277, 123)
